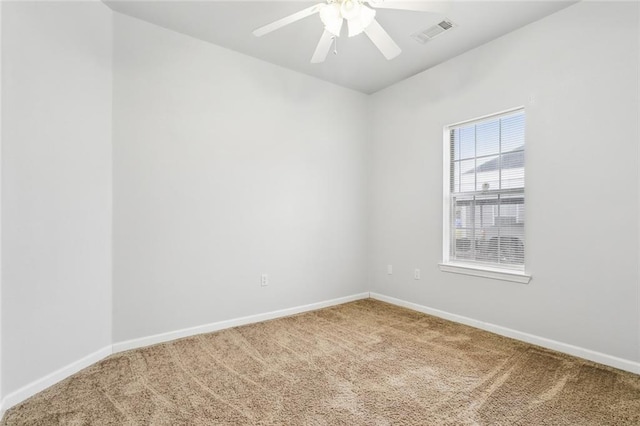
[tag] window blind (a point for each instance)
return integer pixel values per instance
(487, 171)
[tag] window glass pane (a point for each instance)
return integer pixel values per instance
(463, 206)
(486, 227)
(513, 170)
(488, 173)
(463, 244)
(512, 206)
(488, 138)
(467, 139)
(462, 235)
(467, 175)
(512, 130)
(510, 244)
(488, 216)
(520, 213)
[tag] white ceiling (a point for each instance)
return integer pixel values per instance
(358, 64)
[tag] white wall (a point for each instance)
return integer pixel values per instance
(226, 167)
(576, 72)
(56, 186)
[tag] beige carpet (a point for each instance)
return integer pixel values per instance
(362, 363)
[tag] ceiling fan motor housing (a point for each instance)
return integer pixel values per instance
(358, 16)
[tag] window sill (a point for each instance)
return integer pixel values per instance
(486, 272)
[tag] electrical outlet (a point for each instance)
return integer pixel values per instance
(416, 274)
(389, 269)
(265, 280)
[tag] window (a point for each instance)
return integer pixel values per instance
(485, 197)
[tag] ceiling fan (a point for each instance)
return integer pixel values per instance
(360, 17)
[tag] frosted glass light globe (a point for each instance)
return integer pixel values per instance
(331, 18)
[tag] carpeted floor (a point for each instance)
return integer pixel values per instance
(362, 363)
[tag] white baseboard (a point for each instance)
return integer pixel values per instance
(612, 361)
(221, 325)
(41, 384)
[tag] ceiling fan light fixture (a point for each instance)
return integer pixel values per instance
(355, 27)
(358, 25)
(331, 18)
(350, 9)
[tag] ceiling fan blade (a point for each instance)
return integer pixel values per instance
(382, 40)
(288, 20)
(441, 7)
(322, 49)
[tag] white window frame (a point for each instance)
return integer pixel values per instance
(458, 267)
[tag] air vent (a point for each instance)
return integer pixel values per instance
(433, 32)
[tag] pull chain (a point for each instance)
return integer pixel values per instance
(335, 45)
